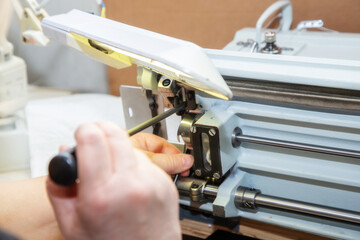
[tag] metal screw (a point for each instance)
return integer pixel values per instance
(270, 37)
(195, 186)
(193, 129)
(248, 205)
(212, 132)
(216, 175)
(198, 172)
(166, 82)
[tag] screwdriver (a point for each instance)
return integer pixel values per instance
(63, 167)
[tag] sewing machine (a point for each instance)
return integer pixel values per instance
(272, 120)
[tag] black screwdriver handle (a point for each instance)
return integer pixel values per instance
(63, 168)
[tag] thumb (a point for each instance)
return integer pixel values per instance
(171, 163)
(62, 200)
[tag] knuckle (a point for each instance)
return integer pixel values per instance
(140, 195)
(98, 203)
(110, 129)
(87, 134)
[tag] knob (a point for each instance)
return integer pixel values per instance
(63, 168)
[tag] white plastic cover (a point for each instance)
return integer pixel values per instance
(189, 61)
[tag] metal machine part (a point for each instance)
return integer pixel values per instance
(238, 137)
(168, 89)
(186, 128)
(250, 199)
(270, 47)
(201, 134)
(297, 94)
(303, 160)
(207, 162)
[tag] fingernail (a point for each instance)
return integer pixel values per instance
(187, 161)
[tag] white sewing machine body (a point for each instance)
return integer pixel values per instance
(309, 98)
(285, 149)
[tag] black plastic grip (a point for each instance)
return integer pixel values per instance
(63, 168)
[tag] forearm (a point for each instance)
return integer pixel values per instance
(26, 211)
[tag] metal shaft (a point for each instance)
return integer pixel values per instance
(297, 206)
(156, 119)
(299, 146)
(259, 199)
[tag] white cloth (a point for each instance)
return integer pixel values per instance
(52, 122)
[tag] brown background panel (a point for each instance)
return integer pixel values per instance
(213, 23)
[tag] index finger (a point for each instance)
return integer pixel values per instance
(152, 143)
(93, 157)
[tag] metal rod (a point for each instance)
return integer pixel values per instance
(313, 209)
(211, 190)
(156, 119)
(299, 146)
(296, 206)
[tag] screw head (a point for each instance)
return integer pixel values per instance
(166, 82)
(216, 176)
(193, 129)
(212, 132)
(270, 37)
(194, 185)
(198, 172)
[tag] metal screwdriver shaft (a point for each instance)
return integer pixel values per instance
(63, 167)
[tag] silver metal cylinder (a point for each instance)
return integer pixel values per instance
(246, 198)
(210, 190)
(313, 209)
(298, 146)
(185, 129)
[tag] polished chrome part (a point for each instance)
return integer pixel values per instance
(313, 209)
(251, 199)
(216, 176)
(234, 140)
(191, 187)
(212, 132)
(313, 96)
(210, 190)
(245, 198)
(300, 146)
(270, 47)
(297, 146)
(270, 37)
(185, 129)
(196, 192)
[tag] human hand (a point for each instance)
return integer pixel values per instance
(121, 194)
(162, 153)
